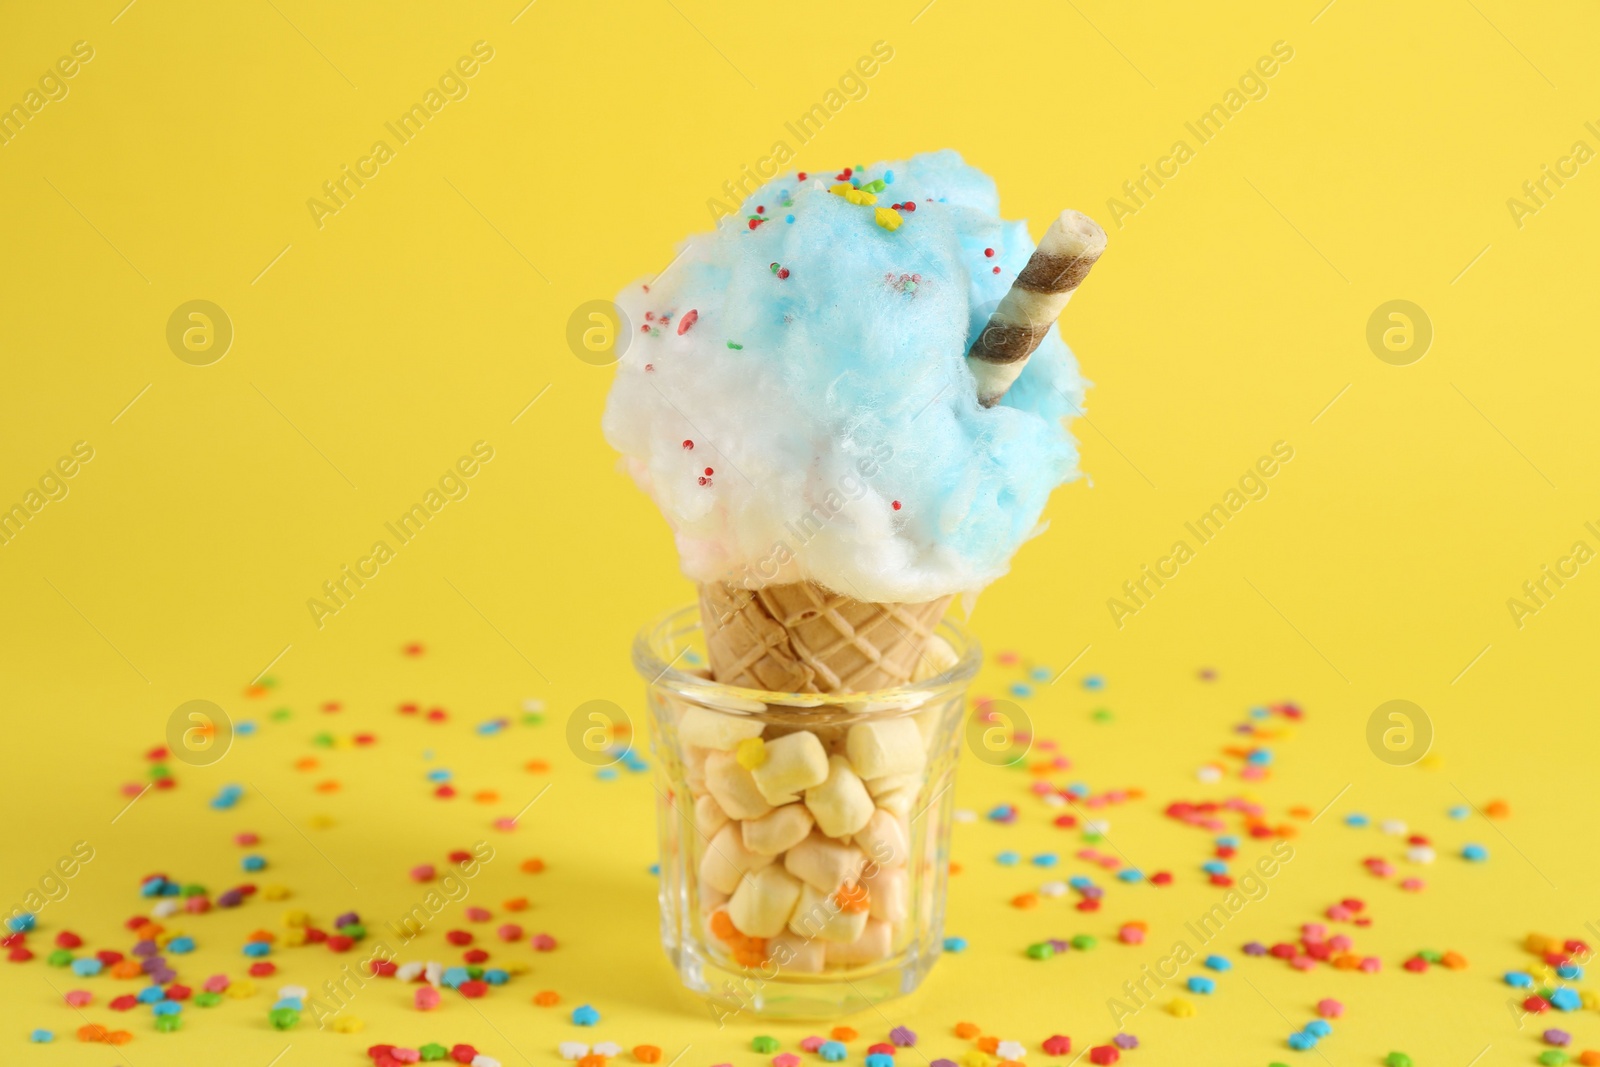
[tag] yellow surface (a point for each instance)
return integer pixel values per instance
(371, 352)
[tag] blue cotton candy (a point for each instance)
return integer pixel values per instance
(848, 391)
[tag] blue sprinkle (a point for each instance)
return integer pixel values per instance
(1318, 1028)
(1260, 757)
(833, 1051)
(150, 994)
(1475, 853)
(495, 976)
(788, 218)
(439, 774)
(1094, 681)
(1040, 674)
(888, 177)
(1019, 689)
(254, 863)
(1079, 881)
(257, 949)
(955, 944)
(452, 977)
(1199, 983)
(1519, 980)
(87, 967)
(655, 869)
(585, 1016)
(1008, 859)
(1079, 789)
(1356, 820)
(1228, 841)
(1460, 811)
(1219, 963)
(1566, 999)
(41, 1037)
(292, 1003)
(1214, 867)
(606, 774)
(1302, 1041)
(1045, 859)
(244, 727)
(879, 1059)
(1570, 971)
(1130, 874)
(1259, 713)
(180, 945)
(692, 658)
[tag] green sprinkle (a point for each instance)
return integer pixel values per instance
(208, 999)
(1397, 1059)
(1101, 715)
(1083, 942)
(433, 1051)
(764, 1044)
(532, 718)
(1430, 955)
(875, 186)
(59, 958)
(281, 714)
(167, 1024)
(283, 1018)
(1041, 950)
(736, 346)
(1552, 1057)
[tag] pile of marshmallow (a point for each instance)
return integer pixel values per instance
(806, 832)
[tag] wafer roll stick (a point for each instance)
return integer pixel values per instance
(1058, 266)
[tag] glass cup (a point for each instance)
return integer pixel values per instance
(804, 903)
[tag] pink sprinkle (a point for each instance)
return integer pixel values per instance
(1413, 885)
(79, 998)
(786, 1059)
(1340, 942)
(506, 822)
(509, 932)
(811, 1044)
(478, 915)
(543, 942)
(245, 839)
(1303, 963)
(427, 998)
(405, 1055)
(1314, 930)
(1371, 964)
(422, 873)
(216, 983)
(690, 317)
(1329, 1008)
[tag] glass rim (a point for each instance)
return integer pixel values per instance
(657, 671)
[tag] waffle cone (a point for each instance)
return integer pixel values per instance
(802, 638)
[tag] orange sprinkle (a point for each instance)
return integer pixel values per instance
(1138, 924)
(843, 1033)
(126, 969)
(968, 1030)
(1454, 960)
(255, 690)
(722, 926)
(1010, 1063)
(329, 786)
(1300, 812)
(1349, 961)
(1497, 809)
(1024, 900)
(1589, 1058)
(118, 1037)
(516, 904)
(486, 796)
(533, 866)
(307, 763)
(546, 997)
(148, 931)
(539, 766)
(989, 1044)
(93, 1032)
(955, 868)
(262, 935)
(591, 1060)
(852, 898)
(647, 1054)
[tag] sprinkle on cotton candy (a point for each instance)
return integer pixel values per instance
(850, 390)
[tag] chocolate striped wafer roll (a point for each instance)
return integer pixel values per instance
(1070, 247)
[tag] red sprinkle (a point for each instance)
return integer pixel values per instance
(895, 504)
(801, 176)
(709, 472)
(908, 206)
(783, 272)
(689, 446)
(989, 252)
(690, 317)
(761, 209)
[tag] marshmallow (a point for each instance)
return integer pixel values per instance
(778, 832)
(711, 900)
(709, 816)
(901, 801)
(824, 864)
(794, 762)
(795, 955)
(713, 729)
(873, 945)
(733, 787)
(841, 804)
(885, 839)
(762, 904)
(937, 657)
(888, 888)
(726, 860)
(885, 746)
(888, 784)
(694, 768)
(819, 916)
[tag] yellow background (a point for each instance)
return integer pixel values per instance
(1228, 314)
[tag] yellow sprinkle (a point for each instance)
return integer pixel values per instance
(842, 189)
(322, 822)
(296, 917)
(294, 937)
(751, 753)
(976, 1058)
(275, 892)
(349, 1024)
(888, 218)
(241, 989)
(1181, 1008)
(858, 196)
